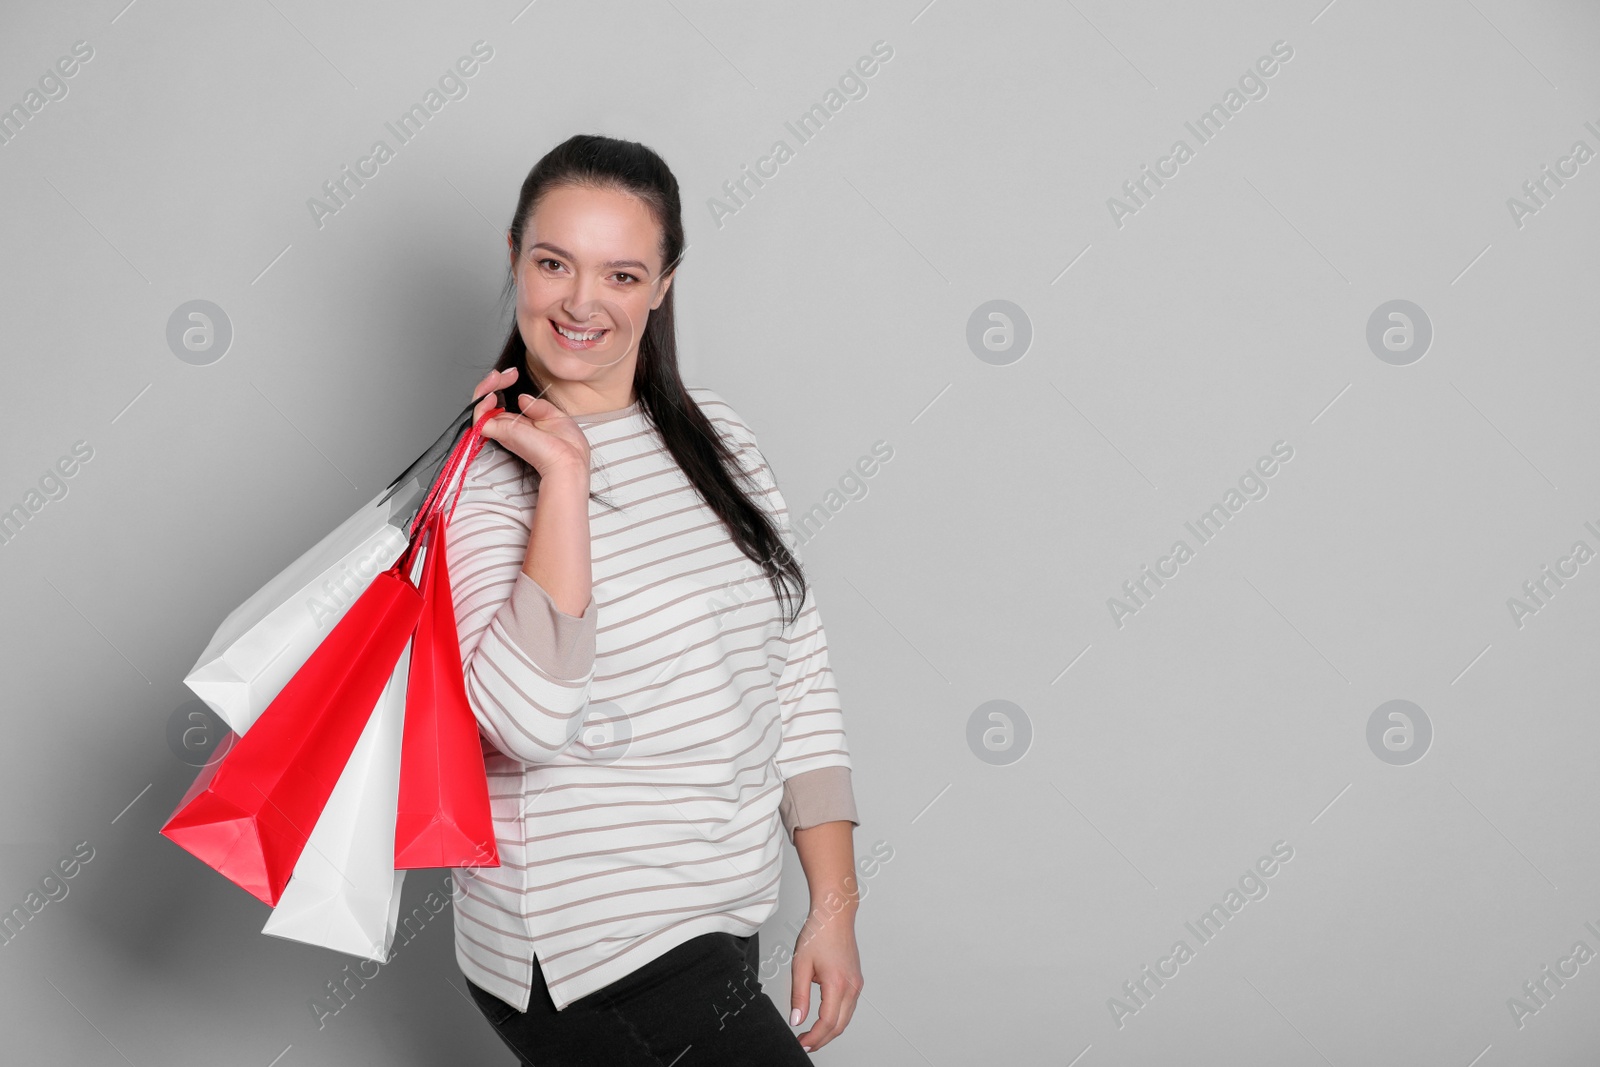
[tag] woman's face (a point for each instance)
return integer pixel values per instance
(590, 265)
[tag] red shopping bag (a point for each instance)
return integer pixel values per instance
(250, 820)
(249, 815)
(444, 818)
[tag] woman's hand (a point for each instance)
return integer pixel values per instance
(543, 435)
(825, 953)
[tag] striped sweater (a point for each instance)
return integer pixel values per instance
(641, 756)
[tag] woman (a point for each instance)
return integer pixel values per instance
(646, 664)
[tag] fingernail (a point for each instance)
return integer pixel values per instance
(795, 1017)
(805, 1048)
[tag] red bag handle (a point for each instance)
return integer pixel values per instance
(459, 460)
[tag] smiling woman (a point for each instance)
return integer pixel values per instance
(554, 291)
(648, 744)
(596, 310)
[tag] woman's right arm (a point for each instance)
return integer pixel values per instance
(548, 440)
(523, 594)
(559, 556)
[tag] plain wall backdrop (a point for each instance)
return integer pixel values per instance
(1339, 346)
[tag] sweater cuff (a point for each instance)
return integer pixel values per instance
(814, 797)
(559, 644)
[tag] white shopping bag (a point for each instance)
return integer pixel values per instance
(345, 893)
(269, 637)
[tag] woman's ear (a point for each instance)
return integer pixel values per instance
(663, 294)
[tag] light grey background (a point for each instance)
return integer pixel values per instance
(1168, 354)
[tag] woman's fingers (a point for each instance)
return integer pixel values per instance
(485, 389)
(542, 434)
(537, 409)
(495, 379)
(838, 1004)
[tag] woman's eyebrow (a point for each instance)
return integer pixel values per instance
(609, 263)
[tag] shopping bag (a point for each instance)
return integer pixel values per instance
(443, 818)
(266, 639)
(252, 818)
(250, 814)
(345, 891)
(263, 641)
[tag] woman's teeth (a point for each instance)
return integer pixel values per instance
(592, 335)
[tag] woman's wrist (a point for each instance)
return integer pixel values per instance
(826, 856)
(567, 477)
(842, 897)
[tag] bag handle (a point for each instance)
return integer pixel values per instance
(435, 453)
(460, 459)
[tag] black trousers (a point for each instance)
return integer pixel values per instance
(700, 1004)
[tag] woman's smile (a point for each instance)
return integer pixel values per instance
(575, 339)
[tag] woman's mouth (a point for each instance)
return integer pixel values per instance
(575, 338)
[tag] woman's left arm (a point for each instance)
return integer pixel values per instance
(818, 808)
(825, 952)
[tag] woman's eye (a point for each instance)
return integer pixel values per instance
(553, 265)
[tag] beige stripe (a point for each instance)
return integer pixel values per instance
(701, 840)
(633, 824)
(692, 508)
(638, 891)
(486, 969)
(568, 924)
(619, 919)
(511, 647)
(611, 803)
(644, 668)
(652, 867)
(813, 755)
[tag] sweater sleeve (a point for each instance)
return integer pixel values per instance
(527, 664)
(813, 755)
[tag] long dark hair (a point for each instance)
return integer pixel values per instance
(706, 459)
